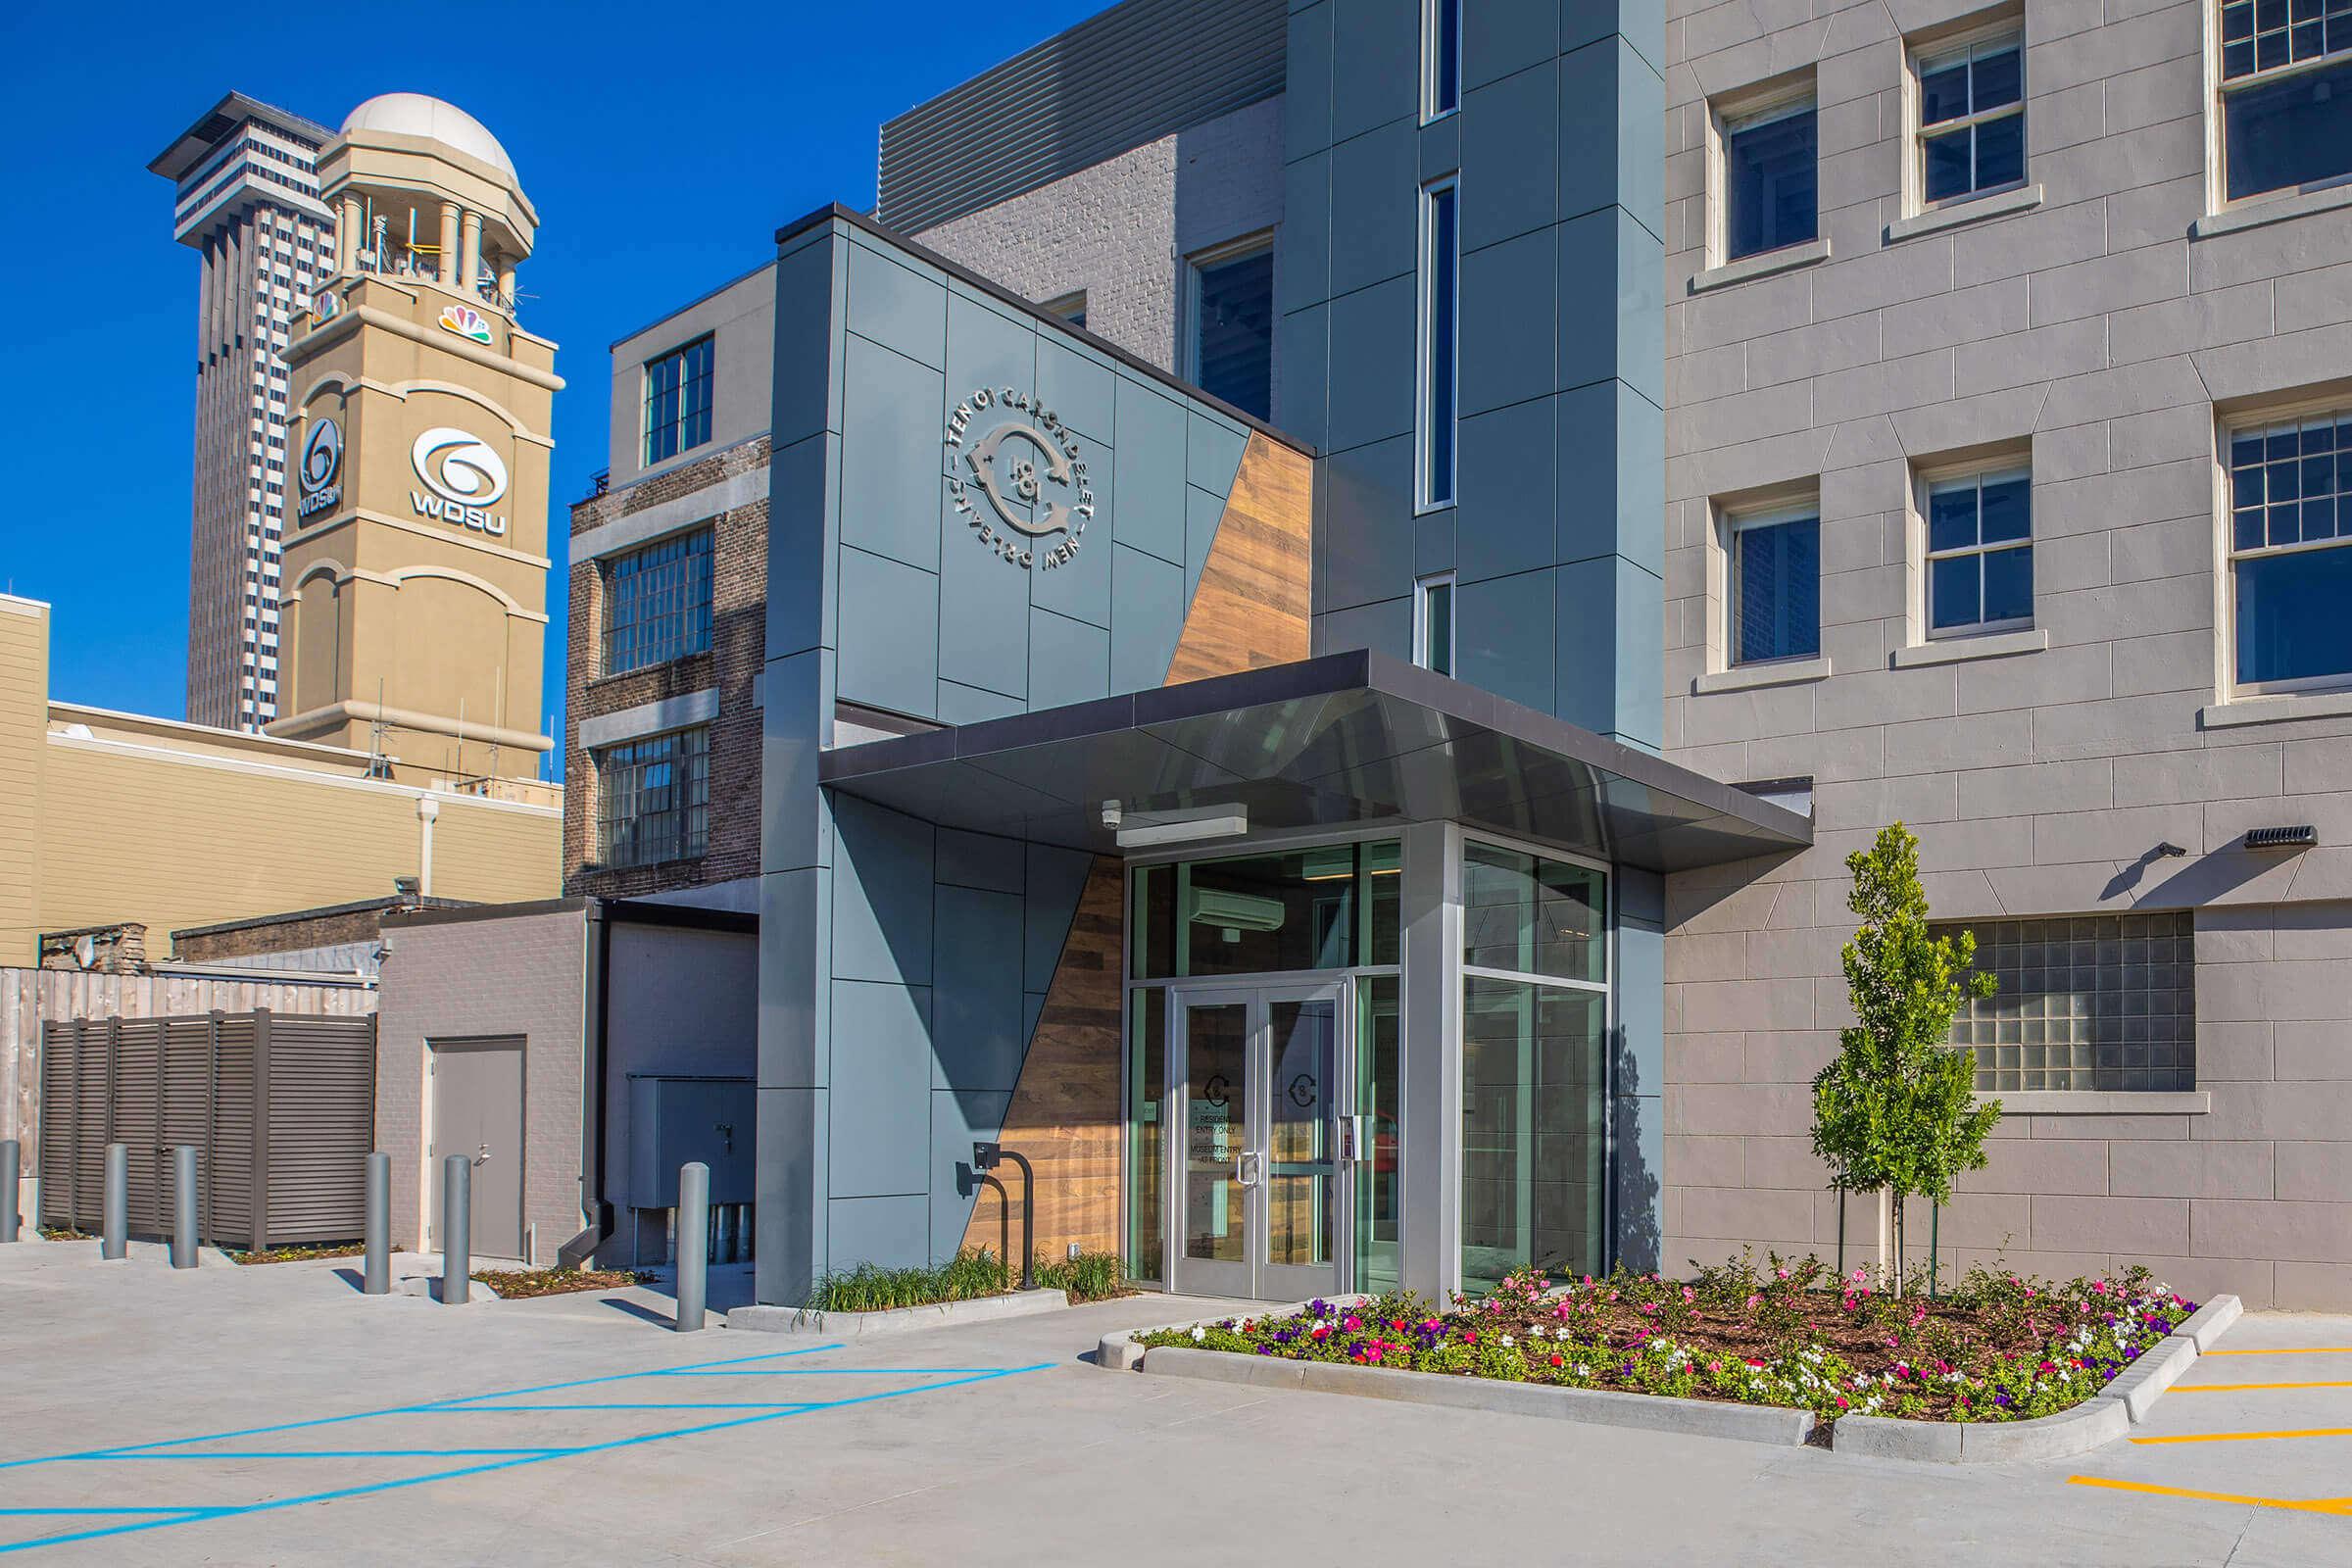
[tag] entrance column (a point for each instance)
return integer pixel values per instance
(1430, 919)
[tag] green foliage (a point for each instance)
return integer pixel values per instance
(973, 1272)
(1895, 1108)
(1088, 1277)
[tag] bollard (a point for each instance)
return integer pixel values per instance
(114, 1242)
(184, 1206)
(10, 1172)
(694, 1243)
(457, 1228)
(376, 1278)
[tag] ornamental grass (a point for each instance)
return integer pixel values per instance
(1793, 1332)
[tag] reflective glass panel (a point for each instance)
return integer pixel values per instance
(1146, 1128)
(1300, 1167)
(1533, 1151)
(1216, 1049)
(1379, 1101)
(1531, 916)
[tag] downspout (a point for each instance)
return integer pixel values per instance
(427, 809)
(596, 992)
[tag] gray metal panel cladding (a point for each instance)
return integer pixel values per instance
(1132, 74)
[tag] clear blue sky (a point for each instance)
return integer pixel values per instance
(661, 144)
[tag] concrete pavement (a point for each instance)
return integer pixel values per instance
(984, 1445)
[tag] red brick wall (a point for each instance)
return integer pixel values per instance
(738, 646)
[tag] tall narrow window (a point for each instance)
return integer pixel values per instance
(677, 400)
(1441, 259)
(1979, 553)
(1441, 58)
(1775, 586)
(2286, 94)
(2290, 552)
(1433, 624)
(1771, 179)
(1231, 349)
(1972, 118)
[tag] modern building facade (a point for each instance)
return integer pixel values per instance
(245, 196)
(1754, 433)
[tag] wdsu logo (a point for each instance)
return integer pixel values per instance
(465, 480)
(322, 468)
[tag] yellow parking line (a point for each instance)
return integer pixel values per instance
(2335, 1506)
(2234, 1388)
(2292, 1350)
(2252, 1437)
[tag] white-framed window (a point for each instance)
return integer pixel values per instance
(1438, 401)
(1979, 550)
(2284, 83)
(1070, 307)
(1767, 167)
(2289, 486)
(1229, 306)
(1433, 622)
(1774, 598)
(1970, 124)
(1441, 58)
(654, 799)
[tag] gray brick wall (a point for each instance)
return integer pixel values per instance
(519, 974)
(2093, 331)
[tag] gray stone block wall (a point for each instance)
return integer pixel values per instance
(2093, 333)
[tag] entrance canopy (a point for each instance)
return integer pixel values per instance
(1355, 739)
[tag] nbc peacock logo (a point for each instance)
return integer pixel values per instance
(467, 323)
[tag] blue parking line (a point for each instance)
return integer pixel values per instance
(396, 1410)
(719, 1405)
(191, 1515)
(818, 1372)
(180, 1513)
(315, 1453)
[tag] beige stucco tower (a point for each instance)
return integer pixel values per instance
(415, 560)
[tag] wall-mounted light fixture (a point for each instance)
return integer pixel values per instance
(1219, 823)
(2281, 837)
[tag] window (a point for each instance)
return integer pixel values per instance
(1775, 586)
(1535, 1024)
(2104, 1002)
(1331, 907)
(1440, 306)
(658, 602)
(1433, 624)
(1071, 307)
(1441, 58)
(1233, 325)
(2290, 551)
(677, 400)
(2286, 94)
(1979, 553)
(1769, 179)
(654, 799)
(1972, 118)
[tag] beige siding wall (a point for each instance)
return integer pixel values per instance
(2093, 332)
(23, 714)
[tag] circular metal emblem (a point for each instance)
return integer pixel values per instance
(322, 456)
(1027, 466)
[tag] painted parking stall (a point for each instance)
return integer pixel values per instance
(161, 1483)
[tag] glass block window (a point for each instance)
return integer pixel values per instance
(1981, 553)
(658, 602)
(654, 799)
(2103, 1002)
(2286, 94)
(1972, 118)
(677, 400)
(2290, 551)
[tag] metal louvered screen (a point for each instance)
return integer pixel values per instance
(281, 1111)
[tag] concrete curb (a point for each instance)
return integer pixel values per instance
(1117, 1352)
(2098, 1420)
(1702, 1418)
(897, 1320)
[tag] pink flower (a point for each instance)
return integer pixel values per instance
(1352, 1323)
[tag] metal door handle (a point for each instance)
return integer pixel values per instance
(1245, 1167)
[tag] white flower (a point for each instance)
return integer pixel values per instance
(1198, 1334)
(1509, 1342)
(1582, 1370)
(1535, 1330)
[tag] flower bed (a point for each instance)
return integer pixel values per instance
(2000, 1348)
(521, 1284)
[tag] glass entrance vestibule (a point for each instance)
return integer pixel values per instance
(1364, 1064)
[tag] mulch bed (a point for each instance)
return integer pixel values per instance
(521, 1284)
(298, 1255)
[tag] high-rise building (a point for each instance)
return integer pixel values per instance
(247, 201)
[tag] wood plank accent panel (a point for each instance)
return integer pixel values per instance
(1251, 607)
(1065, 1112)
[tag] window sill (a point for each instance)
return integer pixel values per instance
(1956, 650)
(1749, 677)
(1786, 258)
(1952, 214)
(2277, 708)
(2253, 211)
(2098, 1102)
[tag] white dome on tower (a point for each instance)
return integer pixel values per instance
(413, 113)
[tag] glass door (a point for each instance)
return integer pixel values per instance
(1258, 1073)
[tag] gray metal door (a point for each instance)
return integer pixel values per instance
(477, 1112)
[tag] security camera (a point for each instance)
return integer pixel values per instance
(1112, 816)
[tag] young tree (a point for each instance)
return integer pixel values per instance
(1893, 1112)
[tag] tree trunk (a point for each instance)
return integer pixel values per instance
(1885, 1209)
